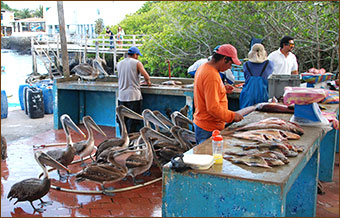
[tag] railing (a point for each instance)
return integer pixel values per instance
(86, 45)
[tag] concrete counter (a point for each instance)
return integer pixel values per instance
(238, 190)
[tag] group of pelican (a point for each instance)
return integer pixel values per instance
(115, 158)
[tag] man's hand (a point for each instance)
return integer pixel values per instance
(229, 88)
(238, 117)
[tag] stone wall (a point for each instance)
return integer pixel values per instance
(20, 44)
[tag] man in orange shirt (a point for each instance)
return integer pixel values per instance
(210, 94)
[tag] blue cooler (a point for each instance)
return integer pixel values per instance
(48, 98)
(4, 104)
(21, 95)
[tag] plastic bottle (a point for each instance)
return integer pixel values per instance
(217, 148)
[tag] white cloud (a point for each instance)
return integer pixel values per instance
(112, 12)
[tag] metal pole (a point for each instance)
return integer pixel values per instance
(66, 68)
(34, 60)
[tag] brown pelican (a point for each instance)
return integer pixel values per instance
(163, 147)
(185, 137)
(112, 171)
(85, 148)
(88, 72)
(66, 156)
(3, 147)
(34, 188)
(141, 162)
(124, 141)
(179, 119)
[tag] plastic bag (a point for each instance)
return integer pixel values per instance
(299, 95)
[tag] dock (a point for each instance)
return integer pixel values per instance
(48, 49)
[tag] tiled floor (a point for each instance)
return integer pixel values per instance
(142, 202)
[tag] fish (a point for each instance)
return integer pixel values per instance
(251, 161)
(239, 151)
(274, 108)
(263, 135)
(172, 83)
(273, 123)
(273, 158)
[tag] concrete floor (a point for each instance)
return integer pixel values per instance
(141, 202)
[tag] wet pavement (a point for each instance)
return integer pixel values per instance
(141, 202)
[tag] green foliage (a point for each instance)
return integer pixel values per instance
(185, 31)
(39, 12)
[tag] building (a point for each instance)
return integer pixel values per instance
(7, 17)
(77, 19)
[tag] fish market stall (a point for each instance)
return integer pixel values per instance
(79, 98)
(99, 98)
(235, 189)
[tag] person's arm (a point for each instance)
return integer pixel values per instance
(141, 69)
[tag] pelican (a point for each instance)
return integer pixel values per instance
(140, 163)
(3, 147)
(124, 141)
(88, 72)
(185, 137)
(34, 188)
(112, 171)
(181, 120)
(66, 156)
(85, 148)
(163, 147)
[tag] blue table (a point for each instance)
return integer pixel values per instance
(328, 148)
(238, 190)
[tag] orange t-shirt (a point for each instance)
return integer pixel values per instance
(211, 103)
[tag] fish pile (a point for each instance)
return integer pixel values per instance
(267, 143)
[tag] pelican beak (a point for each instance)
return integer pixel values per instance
(126, 112)
(179, 117)
(50, 161)
(66, 120)
(148, 115)
(93, 124)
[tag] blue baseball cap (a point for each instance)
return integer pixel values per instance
(216, 48)
(134, 50)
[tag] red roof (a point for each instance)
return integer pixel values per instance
(32, 19)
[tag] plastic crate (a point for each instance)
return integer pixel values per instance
(277, 83)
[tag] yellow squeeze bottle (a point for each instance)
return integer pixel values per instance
(217, 148)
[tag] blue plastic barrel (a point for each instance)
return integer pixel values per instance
(48, 99)
(4, 104)
(21, 95)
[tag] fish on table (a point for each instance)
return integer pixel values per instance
(273, 123)
(267, 135)
(251, 161)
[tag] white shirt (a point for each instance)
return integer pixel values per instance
(283, 64)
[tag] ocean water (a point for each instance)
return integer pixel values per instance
(16, 69)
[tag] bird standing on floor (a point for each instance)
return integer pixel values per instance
(3, 147)
(85, 148)
(124, 141)
(141, 162)
(66, 156)
(112, 171)
(33, 189)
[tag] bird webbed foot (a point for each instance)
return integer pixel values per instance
(106, 191)
(45, 202)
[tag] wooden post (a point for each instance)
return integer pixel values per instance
(66, 68)
(34, 57)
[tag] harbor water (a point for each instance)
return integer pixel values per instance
(16, 68)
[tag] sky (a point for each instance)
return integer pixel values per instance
(112, 12)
